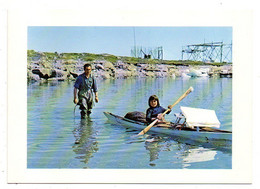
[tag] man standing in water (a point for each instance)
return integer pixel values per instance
(85, 84)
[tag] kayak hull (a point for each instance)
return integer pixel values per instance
(216, 136)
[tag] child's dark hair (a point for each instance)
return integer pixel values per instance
(87, 65)
(153, 97)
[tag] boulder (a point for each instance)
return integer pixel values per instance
(46, 74)
(103, 75)
(150, 74)
(106, 76)
(108, 65)
(32, 77)
(99, 67)
(131, 68)
(61, 75)
(75, 75)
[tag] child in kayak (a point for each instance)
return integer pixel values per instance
(155, 110)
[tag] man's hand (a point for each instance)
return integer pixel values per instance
(96, 99)
(75, 101)
(75, 96)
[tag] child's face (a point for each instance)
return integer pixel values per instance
(153, 103)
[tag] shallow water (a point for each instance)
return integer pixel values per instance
(59, 139)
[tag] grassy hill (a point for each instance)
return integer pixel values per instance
(89, 57)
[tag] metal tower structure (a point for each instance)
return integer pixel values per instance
(147, 53)
(208, 52)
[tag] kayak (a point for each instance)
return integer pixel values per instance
(200, 134)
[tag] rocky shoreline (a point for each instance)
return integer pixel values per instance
(67, 66)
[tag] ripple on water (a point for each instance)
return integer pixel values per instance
(57, 139)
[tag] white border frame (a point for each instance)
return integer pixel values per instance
(241, 21)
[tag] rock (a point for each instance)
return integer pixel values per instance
(61, 75)
(32, 77)
(120, 73)
(185, 76)
(141, 73)
(134, 73)
(46, 74)
(99, 66)
(67, 66)
(132, 68)
(75, 75)
(105, 75)
(172, 75)
(150, 74)
(108, 65)
(35, 77)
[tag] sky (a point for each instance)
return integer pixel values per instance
(120, 40)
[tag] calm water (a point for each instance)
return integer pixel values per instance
(53, 128)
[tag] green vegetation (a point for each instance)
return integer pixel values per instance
(70, 58)
(111, 58)
(218, 64)
(130, 60)
(50, 55)
(88, 57)
(31, 53)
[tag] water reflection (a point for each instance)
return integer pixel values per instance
(186, 153)
(154, 148)
(155, 145)
(221, 145)
(85, 140)
(198, 155)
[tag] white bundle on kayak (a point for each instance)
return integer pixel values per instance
(196, 117)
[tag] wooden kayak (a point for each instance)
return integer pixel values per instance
(202, 135)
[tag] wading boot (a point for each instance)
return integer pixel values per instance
(89, 112)
(83, 115)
